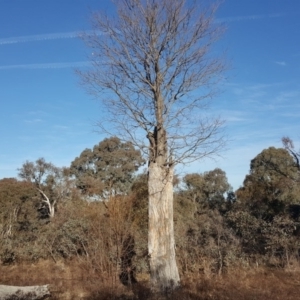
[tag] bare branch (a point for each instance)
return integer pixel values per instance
(289, 146)
(153, 67)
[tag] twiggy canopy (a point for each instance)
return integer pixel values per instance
(153, 68)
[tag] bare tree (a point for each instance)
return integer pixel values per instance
(154, 71)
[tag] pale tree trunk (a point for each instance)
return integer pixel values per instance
(161, 243)
(51, 207)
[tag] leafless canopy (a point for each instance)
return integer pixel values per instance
(153, 67)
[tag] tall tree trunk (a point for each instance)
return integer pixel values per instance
(161, 243)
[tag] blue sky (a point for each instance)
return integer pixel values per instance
(45, 113)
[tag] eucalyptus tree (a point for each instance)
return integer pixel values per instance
(107, 169)
(271, 184)
(213, 184)
(208, 189)
(53, 183)
(155, 71)
(263, 213)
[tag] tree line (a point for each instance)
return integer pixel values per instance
(96, 211)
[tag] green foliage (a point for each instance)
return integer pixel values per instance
(262, 216)
(203, 239)
(19, 219)
(107, 169)
(208, 188)
(271, 185)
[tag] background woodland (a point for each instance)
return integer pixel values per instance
(90, 220)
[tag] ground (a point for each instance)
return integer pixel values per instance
(74, 280)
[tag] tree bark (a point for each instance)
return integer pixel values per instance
(161, 243)
(51, 207)
(20, 292)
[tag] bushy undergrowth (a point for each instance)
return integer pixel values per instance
(245, 246)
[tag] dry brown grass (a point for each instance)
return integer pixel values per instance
(250, 284)
(70, 280)
(74, 281)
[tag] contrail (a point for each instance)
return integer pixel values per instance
(45, 37)
(78, 34)
(251, 17)
(48, 65)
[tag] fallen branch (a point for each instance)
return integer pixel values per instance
(24, 292)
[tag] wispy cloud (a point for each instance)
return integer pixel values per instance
(288, 96)
(40, 37)
(250, 17)
(234, 115)
(234, 119)
(26, 138)
(47, 36)
(281, 63)
(60, 127)
(47, 65)
(36, 112)
(33, 121)
(79, 34)
(263, 102)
